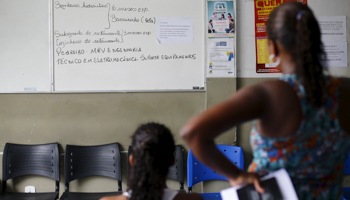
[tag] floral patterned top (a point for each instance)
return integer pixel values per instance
(314, 156)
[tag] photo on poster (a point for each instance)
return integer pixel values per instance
(221, 19)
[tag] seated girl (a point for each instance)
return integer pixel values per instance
(153, 153)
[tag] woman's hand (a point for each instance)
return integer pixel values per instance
(247, 178)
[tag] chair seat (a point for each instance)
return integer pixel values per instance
(87, 196)
(211, 196)
(346, 193)
(29, 196)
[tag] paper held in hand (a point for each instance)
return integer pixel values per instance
(277, 185)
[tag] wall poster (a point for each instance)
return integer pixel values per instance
(262, 9)
(221, 41)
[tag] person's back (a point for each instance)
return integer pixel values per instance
(314, 154)
(152, 154)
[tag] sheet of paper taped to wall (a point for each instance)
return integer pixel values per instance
(175, 30)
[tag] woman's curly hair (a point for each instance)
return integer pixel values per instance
(153, 152)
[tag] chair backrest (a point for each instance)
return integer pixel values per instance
(21, 160)
(347, 164)
(198, 172)
(84, 161)
(177, 171)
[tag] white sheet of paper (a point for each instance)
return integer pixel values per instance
(175, 30)
(337, 54)
(283, 181)
(221, 57)
(333, 28)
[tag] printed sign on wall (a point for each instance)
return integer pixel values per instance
(263, 8)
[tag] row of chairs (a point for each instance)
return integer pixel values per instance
(103, 160)
(43, 160)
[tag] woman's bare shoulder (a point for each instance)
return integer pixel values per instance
(274, 84)
(265, 87)
(273, 88)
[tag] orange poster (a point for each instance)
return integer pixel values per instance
(263, 8)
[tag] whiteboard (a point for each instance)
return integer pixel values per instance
(112, 45)
(25, 46)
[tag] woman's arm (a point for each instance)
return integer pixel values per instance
(199, 133)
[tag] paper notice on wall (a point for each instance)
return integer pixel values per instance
(333, 28)
(175, 30)
(221, 58)
(336, 54)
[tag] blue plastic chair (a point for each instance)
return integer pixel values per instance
(198, 172)
(346, 191)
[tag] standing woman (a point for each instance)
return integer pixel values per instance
(301, 120)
